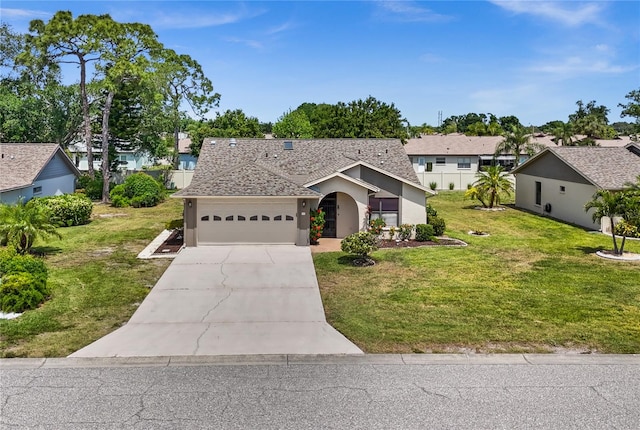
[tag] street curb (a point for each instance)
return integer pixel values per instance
(294, 360)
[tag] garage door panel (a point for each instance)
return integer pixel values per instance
(247, 222)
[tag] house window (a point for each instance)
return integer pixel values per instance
(429, 166)
(464, 163)
(385, 208)
(277, 218)
(204, 218)
(241, 218)
(538, 193)
(562, 189)
(37, 190)
(229, 218)
(253, 218)
(421, 164)
(289, 218)
(441, 161)
(217, 218)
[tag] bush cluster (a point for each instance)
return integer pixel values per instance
(92, 187)
(66, 210)
(138, 190)
(23, 282)
(424, 232)
(360, 244)
(438, 225)
(404, 231)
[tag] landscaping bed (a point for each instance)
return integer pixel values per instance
(441, 241)
(533, 285)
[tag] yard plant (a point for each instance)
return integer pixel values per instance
(95, 282)
(534, 285)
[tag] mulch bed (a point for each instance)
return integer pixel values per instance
(172, 244)
(386, 244)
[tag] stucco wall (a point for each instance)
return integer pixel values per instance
(358, 194)
(412, 206)
(566, 206)
(347, 215)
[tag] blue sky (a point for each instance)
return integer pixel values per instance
(531, 59)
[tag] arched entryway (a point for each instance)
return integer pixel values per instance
(341, 215)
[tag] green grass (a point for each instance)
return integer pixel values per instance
(96, 279)
(533, 285)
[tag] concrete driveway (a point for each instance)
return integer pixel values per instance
(229, 300)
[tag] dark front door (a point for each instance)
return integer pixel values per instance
(328, 205)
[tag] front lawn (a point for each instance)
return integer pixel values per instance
(533, 285)
(96, 281)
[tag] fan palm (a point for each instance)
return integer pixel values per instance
(607, 204)
(516, 142)
(21, 225)
(492, 182)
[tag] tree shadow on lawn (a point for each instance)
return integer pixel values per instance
(41, 251)
(346, 260)
(588, 249)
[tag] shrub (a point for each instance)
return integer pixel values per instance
(138, 190)
(360, 244)
(404, 231)
(316, 225)
(23, 281)
(92, 186)
(18, 294)
(451, 186)
(392, 232)
(624, 228)
(438, 225)
(66, 210)
(376, 226)
(433, 185)
(424, 232)
(431, 211)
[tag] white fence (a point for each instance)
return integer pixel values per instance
(180, 178)
(443, 180)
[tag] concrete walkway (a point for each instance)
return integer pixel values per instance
(229, 300)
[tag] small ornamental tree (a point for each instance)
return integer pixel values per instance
(316, 225)
(360, 244)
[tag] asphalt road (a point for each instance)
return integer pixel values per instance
(323, 392)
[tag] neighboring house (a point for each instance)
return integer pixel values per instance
(261, 190)
(186, 161)
(30, 170)
(129, 159)
(559, 181)
(456, 158)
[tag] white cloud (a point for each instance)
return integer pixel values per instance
(408, 11)
(569, 13)
(183, 20)
(248, 42)
(280, 28)
(23, 14)
(575, 66)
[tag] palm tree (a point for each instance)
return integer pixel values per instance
(492, 182)
(607, 204)
(563, 134)
(516, 142)
(21, 225)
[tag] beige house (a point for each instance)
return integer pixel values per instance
(456, 158)
(261, 190)
(558, 182)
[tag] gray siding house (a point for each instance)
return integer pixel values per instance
(558, 182)
(30, 170)
(262, 190)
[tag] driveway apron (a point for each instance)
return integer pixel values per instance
(229, 300)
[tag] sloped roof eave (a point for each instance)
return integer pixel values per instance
(391, 175)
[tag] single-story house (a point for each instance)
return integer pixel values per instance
(129, 159)
(30, 170)
(262, 190)
(559, 181)
(455, 158)
(186, 160)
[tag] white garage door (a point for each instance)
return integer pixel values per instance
(249, 221)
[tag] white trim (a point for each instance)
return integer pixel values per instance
(356, 181)
(389, 174)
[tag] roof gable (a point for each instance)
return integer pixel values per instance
(606, 168)
(22, 163)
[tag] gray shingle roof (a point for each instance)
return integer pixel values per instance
(459, 144)
(21, 163)
(606, 168)
(263, 167)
